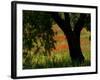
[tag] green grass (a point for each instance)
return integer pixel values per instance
(58, 58)
(42, 61)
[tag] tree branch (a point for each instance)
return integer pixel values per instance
(58, 19)
(64, 24)
(80, 23)
(67, 21)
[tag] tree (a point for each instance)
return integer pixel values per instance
(72, 32)
(37, 28)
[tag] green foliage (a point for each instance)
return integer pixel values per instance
(37, 31)
(74, 18)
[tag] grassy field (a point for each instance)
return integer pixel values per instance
(60, 55)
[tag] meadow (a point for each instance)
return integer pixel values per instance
(60, 56)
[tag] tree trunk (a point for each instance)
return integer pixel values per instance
(74, 48)
(73, 37)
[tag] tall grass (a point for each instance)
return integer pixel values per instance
(58, 58)
(42, 61)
